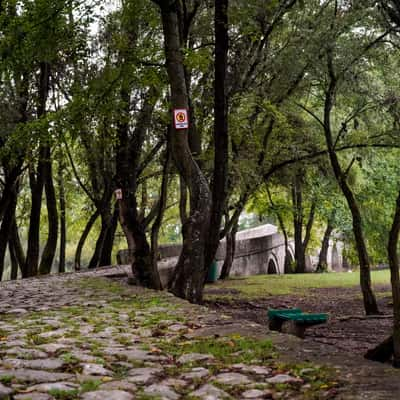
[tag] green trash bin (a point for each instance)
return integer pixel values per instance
(212, 275)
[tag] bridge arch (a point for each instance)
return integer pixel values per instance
(272, 265)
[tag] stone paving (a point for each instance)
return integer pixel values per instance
(89, 336)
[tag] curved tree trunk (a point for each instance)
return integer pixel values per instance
(14, 262)
(390, 347)
(50, 248)
(5, 230)
(82, 240)
(370, 304)
(155, 229)
(37, 181)
(297, 199)
(230, 252)
(395, 280)
(63, 225)
(105, 225)
(189, 275)
(221, 134)
(17, 245)
(323, 254)
(106, 254)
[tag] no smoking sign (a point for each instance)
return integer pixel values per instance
(181, 119)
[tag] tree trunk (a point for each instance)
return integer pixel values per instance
(37, 182)
(32, 253)
(5, 231)
(106, 254)
(323, 254)
(369, 300)
(17, 245)
(128, 157)
(162, 203)
(230, 252)
(297, 199)
(221, 135)
(82, 240)
(14, 261)
(50, 248)
(63, 225)
(105, 225)
(395, 280)
(288, 267)
(189, 274)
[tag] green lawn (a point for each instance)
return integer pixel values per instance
(266, 285)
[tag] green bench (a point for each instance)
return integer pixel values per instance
(293, 320)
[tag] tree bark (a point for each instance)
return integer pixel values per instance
(189, 274)
(82, 240)
(323, 254)
(162, 203)
(230, 252)
(128, 157)
(106, 253)
(288, 267)
(395, 281)
(17, 245)
(369, 300)
(37, 182)
(298, 217)
(32, 253)
(50, 248)
(5, 231)
(221, 134)
(14, 261)
(63, 225)
(106, 218)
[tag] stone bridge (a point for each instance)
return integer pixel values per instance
(258, 251)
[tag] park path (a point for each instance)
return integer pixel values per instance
(90, 336)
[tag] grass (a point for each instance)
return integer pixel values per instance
(64, 394)
(270, 285)
(232, 349)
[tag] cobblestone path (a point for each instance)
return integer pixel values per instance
(90, 336)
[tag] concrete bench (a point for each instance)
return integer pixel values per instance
(293, 320)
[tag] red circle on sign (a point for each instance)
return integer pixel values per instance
(180, 117)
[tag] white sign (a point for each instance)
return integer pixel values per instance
(181, 119)
(118, 194)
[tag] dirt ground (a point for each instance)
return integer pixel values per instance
(347, 329)
(340, 343)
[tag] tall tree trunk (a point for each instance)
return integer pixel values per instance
(106, 253)
(298, 217)
(395, 280)
(17, 245)
(5, 230)
(390, 347)
(14, 261)
(288, 267)
(309, 226)
(32, 253)
(105, 225)
(50, 248)
(323, 254)
(37, 182)
(63, 225)
(128, 156)
(162, 203)
(221, 135)
(369, 300)
(105, 240)
(82, 240)
(230, 252)
(189, 274)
